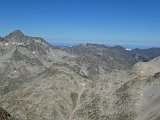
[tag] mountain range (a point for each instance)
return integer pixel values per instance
(39, 81)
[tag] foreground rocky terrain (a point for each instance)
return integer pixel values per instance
(4, 115)
(85, 82)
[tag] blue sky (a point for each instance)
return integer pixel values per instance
(131, 23)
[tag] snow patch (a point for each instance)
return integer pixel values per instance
(128, 49)
(34, 52)
(18, 43)
(6, 44)
(83, 84)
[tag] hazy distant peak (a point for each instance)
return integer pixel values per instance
(96, 45)
(118, 47)
(136, 49)
(92, 45)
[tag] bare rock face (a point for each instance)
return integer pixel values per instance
(148, 68)
(86, 82)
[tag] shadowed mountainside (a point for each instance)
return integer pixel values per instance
(147, 54)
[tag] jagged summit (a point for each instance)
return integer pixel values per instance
(19, 39)
(16, 37)
(17, 34)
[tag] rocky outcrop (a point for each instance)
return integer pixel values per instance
(4, 115)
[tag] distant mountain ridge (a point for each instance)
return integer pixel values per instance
(147, 54)
(134, 55)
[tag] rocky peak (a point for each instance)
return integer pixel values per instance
(18, 37)
(157, 75)
(118, 47)
(17, 34)
(36, 44)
